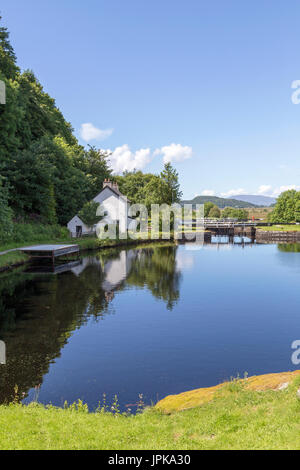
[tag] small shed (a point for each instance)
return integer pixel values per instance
(77, 227)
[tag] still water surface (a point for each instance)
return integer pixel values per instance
(154, 320)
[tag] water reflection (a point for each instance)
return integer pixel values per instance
(156, 320)
(156, 270)
(285, 255)
(40, 311)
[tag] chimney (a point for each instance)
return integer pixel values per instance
(107, 183)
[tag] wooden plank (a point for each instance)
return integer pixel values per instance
(49, 251)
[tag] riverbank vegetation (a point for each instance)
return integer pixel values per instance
(236, 418)
(61, 236)
(281, 228)
(46, 176)
(12, 259)
(24, 233)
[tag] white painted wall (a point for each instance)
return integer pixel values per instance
(116, 209)
(114, 206)
(76, 221)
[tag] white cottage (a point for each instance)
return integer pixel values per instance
(113, 203)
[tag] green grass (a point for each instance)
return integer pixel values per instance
(281, 228)
(237, 419)
(85, 243)
(12, 259)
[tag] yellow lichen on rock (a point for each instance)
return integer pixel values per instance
(198, 397)
(270, 381)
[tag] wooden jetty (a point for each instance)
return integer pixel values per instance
(49, 251)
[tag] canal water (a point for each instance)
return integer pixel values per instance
(150, 321)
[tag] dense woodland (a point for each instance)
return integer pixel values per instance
(46, 176)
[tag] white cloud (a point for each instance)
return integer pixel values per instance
(174, 153)
(208, 192)
(89, 132)
(233, 192)
(281, 189)
(122, 159)
(264, 190)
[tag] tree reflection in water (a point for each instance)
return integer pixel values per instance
(39, 312)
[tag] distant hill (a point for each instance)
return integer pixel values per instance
(221, 202)
(258, 200)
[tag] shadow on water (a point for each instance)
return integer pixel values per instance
(41, 308)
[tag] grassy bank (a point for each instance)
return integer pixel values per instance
(12, 259)
(281, 228)
(237, 417)
(24, 233)
(86, 243)
(33, 234)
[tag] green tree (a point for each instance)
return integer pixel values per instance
(286, 208)
(95, 164)
(154, 191)
(5, 213)
(45, 177)
(214, 213)
(11, 115)
(171, 186)
(40, 115)
(207, 207)
(70, 183)
(8, 65)
(50, 210)
(133, 184)
(297, 208)
(50, 176)
(233, 213)
(30, 180)
(88, 213)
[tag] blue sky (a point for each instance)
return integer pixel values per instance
(205, 84)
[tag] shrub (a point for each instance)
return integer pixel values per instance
(6, 224)
(26, 232)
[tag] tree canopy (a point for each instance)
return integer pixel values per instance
(214, 213)
(88, 213)
(232, 213)
(46, 175)
(287, 208)
(147, 188)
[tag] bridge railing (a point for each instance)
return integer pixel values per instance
(221, 222)
(229, 223)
